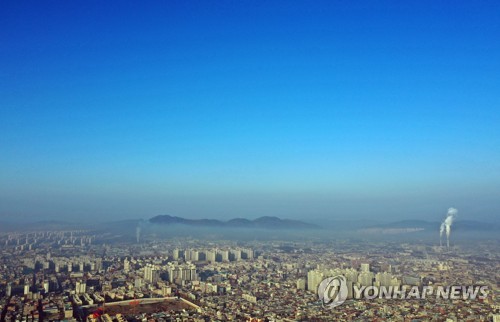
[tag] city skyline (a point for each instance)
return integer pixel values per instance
(322, 110)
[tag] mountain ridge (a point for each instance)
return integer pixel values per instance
(266, 222)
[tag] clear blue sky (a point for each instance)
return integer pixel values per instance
(334, 109)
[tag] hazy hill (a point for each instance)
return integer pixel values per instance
(266, 222)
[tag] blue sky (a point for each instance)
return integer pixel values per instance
(338, 110)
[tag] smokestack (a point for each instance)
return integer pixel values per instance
(441, 231)
(448, 231)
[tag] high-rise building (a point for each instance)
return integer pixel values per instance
(46, 286)
(301, 284)
(384, 279)
(314, 277)
(365, 278)
(237, 255)
(126, 265)
(351, 275)
(151, 274)
(193, 276)
(248, 253)
(183, 272)
(80, 287)
(225, 255)
(98, 264)
(211, 256)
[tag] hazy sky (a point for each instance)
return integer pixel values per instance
(335, 109)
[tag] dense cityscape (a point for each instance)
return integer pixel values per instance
(80, 276)
(249, 161)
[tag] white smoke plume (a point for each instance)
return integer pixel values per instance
(446, 225)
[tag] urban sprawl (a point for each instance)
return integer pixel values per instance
(81, 276)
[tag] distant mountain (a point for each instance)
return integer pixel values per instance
(465, 225)
(266, 222)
